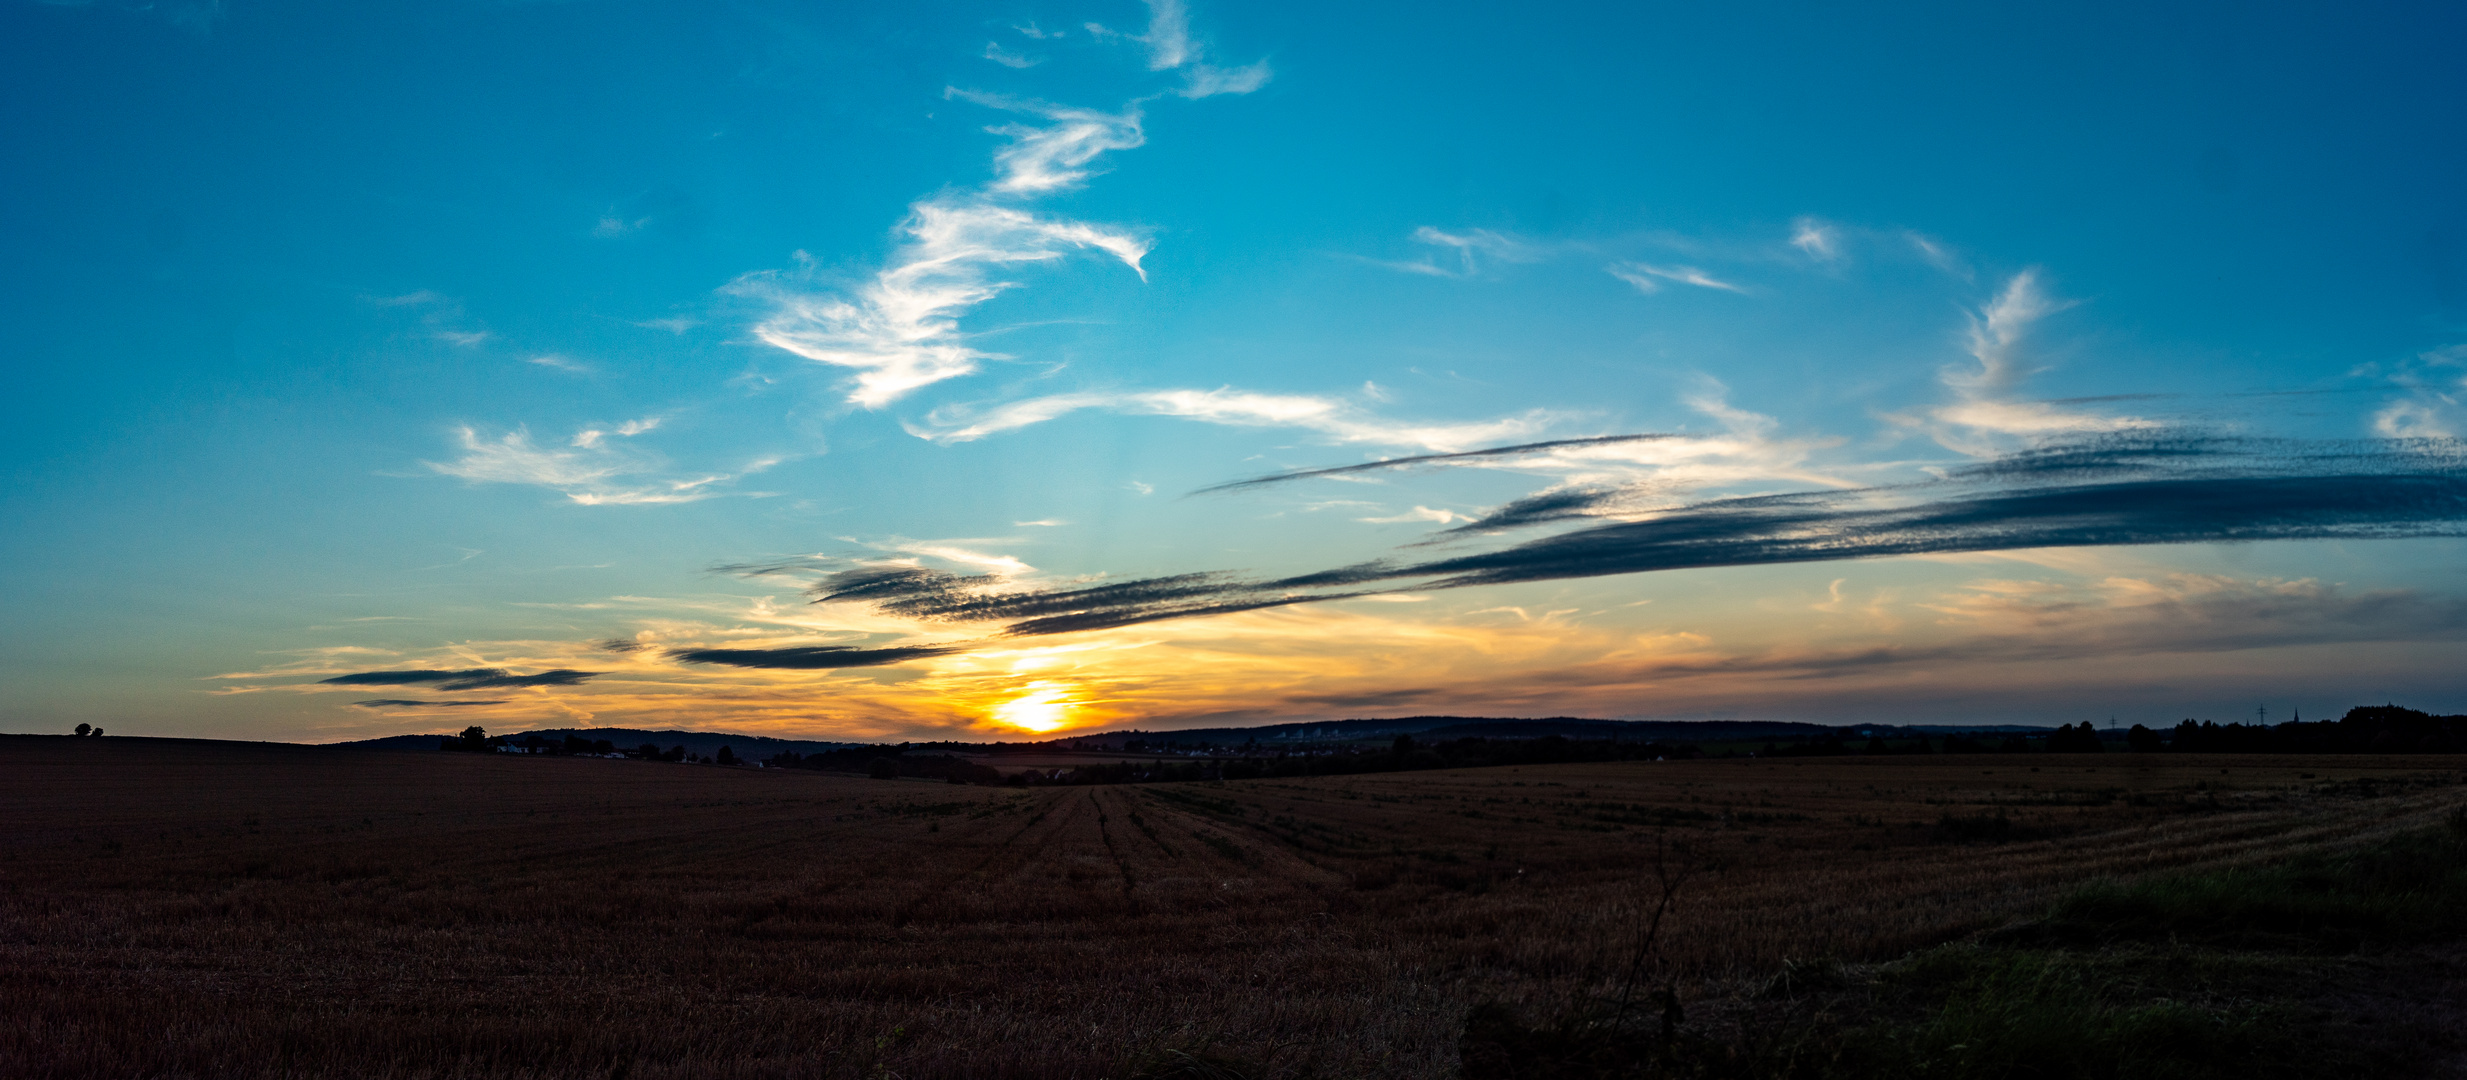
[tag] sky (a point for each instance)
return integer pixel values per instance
(987, 371)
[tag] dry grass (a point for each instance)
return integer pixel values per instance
(209, 909)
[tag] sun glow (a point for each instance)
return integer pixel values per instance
(1043, 708)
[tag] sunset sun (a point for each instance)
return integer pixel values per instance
(1044, 707)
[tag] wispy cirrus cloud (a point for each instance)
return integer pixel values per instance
(1622, 475)
(1057, 155)
(441, 316)
(899, 330)
(1821, 241)
(1987, 414)
(1171, 46)
(1524, 451)
(1470, 250)
(589, 470)
(1005, 57)
(1339, 420)
(2434, 402)
(1648, 277)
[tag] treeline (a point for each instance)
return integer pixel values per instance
(2064, 740)
(2368, 729)
(2372, 729)
(477, 740)
(1404, 753)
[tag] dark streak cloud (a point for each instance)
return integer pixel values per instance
(1519, 450)
(2141, 489)
(1567, 504)
(406, 703)
(465, 679)
(812, 657)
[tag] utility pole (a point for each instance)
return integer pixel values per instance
(2261, 716)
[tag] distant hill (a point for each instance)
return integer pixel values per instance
(706, 743)
(756, 747)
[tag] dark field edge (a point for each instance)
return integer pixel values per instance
(2326, 964)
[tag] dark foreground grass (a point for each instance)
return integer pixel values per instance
(2329, 964)
(2409, 888)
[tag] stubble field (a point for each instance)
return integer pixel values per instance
(173, 908)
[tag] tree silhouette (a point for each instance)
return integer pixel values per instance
(85, 729)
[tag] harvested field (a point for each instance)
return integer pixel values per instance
(172, 908)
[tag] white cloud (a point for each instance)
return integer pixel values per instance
(592, 437)
(552, 360)
(1401, 266)
(2418, 419)
(1005, 57)
(1418, 513)
(1999, 336)
(1469, 247)
(418, 298)
(1821, 242)
(1169, 35)
(1985, 413)
(962, 552)
(440, 314)
(1936, 254)
(591, 471)
(1643, 275)
(1168, 38)
(1170, 46)
(2436, 403)
(1208, 80)
(612, 227)
(1341, 421)
(901, 330)
(1053, 157)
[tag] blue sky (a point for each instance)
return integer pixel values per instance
(459, 337)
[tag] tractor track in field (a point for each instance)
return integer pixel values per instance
(1122, 864)
(1008, 850)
